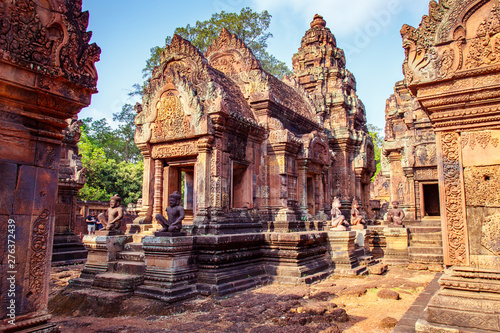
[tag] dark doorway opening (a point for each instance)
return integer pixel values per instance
(431, 200)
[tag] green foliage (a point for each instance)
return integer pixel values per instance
(101, 149)
(378, 141)
(249, 26)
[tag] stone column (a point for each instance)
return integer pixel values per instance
(158, 187)
(145, 215)
(203, 182)
(46, 76)
(303, 188)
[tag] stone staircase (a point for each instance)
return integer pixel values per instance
(426, 245)
(67, 250)
(126, 273)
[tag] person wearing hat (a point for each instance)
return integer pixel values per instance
(175, 214)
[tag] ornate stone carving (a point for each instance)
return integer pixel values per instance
(426, 174)
(483, 139)
(230, 55)
(490, 233)
(425, 155)
(53, 38)
(38, 258)
(170, 122)
(174, 150)
(481, 186)
(457, 239)
(484, 49)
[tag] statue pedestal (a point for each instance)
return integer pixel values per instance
(170, 275)
(396, 252)
(362, 242)
(102, 255)
(342, 248)
(468, 301)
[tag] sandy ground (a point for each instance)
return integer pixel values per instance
(337, 304)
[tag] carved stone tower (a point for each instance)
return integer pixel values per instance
(319, 67)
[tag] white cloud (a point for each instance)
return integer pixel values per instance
(343, 17)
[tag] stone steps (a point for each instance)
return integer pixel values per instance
(134, 247)
(118, 282)
(427, 258)
(131, 256)
(424, 229)
(425, 250)
(130, 267)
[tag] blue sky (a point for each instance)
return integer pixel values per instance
(367, 30)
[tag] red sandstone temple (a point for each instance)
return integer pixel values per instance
(246, 148)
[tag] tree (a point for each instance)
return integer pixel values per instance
(378, 142)
(249, 26)
(111, 158)
(125, 133)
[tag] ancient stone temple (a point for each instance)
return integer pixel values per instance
(255, 162)
(409, 156)
(47, 75)
(452, 66)
(320, 69)
(248, 148)
(409, 177)
(68, 247)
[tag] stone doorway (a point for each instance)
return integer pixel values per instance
(241, 187)
(310, 196)
(181, 179)
(430, 196)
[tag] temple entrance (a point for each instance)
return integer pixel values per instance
(431, 200)
(241, 187)
(181, 179)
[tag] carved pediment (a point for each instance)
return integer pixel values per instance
(457, 35)
(52, 35)
(230, 55)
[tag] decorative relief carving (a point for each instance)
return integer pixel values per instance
(174, 150)
(483, 139)
(55, 39)
(425, 155)
(170, 122)
(426, 174)
(485, 48)
(38, 259)
(490, 233)
(446, 62)
(481, 186)
(457, 242)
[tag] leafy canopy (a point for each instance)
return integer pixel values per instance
(249, 26)
(378, 141)
(113, 161)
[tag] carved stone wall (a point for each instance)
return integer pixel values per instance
(266, 160)
(451, 67)
(46, 76)
(319, 69)
(409, 152)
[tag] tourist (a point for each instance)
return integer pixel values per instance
(91, 223)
